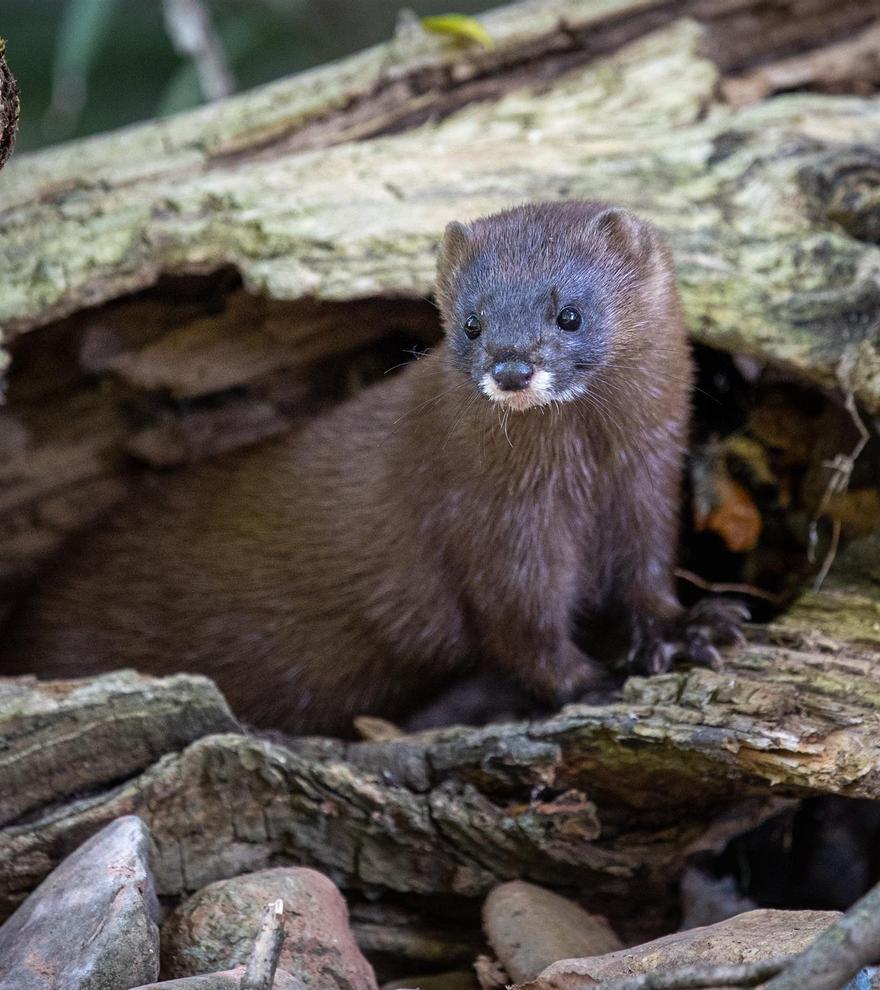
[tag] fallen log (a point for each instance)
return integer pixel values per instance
(605, 800)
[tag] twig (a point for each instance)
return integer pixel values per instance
(727, 587)
(841, 468)
(193, 34)
(259, 973)
(697, 977)
(840, 952)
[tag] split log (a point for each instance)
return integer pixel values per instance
(312, 207)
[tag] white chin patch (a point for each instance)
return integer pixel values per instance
(537, 393)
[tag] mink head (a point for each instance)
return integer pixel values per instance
(538, 300)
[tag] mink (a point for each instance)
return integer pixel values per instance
(462, 514)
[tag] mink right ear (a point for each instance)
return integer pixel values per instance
(622, 231)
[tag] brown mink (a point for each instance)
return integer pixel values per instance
(524, 473)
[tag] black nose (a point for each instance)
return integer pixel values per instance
(512, 376)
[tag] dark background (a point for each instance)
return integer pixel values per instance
(85, 66)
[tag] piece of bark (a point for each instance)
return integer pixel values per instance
(65, 739)
(92, 924)
(850, 65)
(529, 928)
(747, 938)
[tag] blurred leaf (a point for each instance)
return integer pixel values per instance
(241, 39)
(726, 508)
(181, 92)
(81, 34)
(466, 30)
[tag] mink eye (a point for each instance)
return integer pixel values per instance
(569, 319)
(473, 326)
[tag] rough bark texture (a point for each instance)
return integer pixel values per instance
(68, 737)
(604, 800)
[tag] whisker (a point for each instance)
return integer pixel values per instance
(465, 405)
(428, 402)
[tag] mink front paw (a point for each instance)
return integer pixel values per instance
(694, 637)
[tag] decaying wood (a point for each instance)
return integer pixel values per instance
(604, 800)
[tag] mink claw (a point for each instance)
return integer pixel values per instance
(695, 637)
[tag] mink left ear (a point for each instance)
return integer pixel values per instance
(622, 231)
(457, 246)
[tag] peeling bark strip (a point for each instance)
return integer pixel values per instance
(607, 799)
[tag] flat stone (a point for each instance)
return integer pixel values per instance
(530, 927)
(92, 923)
(215, 929)
(748, 937)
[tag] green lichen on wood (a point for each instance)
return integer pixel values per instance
(765, 268)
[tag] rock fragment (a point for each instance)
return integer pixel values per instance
(748, 937)
(215, 928)
(92, 923)
(530, 927)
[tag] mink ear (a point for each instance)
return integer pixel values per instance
(623, 232)
(456, 248)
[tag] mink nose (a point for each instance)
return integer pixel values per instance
(512, 376)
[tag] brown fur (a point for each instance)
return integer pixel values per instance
(417, 527)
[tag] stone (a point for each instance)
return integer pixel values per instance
(92, 923)
(748, 937)
(458, 979)
(215, 928)
(530, 927)
(226, 979)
